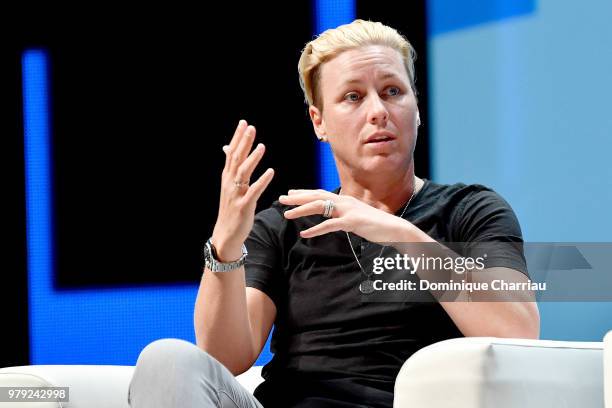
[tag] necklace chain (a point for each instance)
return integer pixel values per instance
(414, 192)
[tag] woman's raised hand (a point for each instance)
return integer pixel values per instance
(238, 198)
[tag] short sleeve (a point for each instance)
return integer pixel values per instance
(262, 266)
(484, 217)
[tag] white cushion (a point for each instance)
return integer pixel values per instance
(487, 372)
(251, 378)
(90, 386)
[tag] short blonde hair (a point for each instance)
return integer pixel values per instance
(334, 41)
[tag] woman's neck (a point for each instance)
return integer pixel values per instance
(389, 196)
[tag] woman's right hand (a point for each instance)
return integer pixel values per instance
(237, 203)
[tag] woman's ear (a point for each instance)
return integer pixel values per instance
(317, 122)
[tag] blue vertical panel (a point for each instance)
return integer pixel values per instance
(38, 181)
(330, 14)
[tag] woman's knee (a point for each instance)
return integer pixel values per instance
(172, 370)
(164, 348)
(174, 355)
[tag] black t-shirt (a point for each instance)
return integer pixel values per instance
(330, 347)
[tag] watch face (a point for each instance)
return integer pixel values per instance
(213, 251)
(207, 253)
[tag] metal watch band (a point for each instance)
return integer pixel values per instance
(211, 261)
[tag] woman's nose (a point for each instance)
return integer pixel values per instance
(377, 112)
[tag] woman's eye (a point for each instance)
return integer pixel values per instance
(394, 91)
(353, 97)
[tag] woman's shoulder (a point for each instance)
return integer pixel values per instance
(435, 188)
(457, 192)
(452, 200)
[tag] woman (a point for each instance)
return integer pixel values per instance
(306, 269)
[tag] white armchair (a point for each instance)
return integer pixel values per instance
(474, 372)
(487, 372)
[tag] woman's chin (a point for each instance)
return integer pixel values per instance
(382, 164)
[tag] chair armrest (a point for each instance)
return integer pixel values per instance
(486, 372)
(90, 386)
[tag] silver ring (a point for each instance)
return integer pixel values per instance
(239, 184)
(329, 209)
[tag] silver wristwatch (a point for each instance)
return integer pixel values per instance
(211, 259)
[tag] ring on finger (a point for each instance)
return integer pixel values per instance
(238, 183)
(328, 208)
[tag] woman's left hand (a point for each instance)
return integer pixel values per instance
(349, 214)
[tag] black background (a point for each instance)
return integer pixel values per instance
(141, 103)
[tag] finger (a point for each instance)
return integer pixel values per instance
(331, 225)
(242, 125)
(258, 187)
(238, 135)
(244, 146)
(303, 198)
(301, 191)
(310, 208)
(248, 166)
(306, 190)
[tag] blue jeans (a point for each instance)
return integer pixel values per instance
(177, 373)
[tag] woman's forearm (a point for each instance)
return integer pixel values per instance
(493, 317)
(221, 318)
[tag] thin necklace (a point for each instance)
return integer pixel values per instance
(367, 286)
